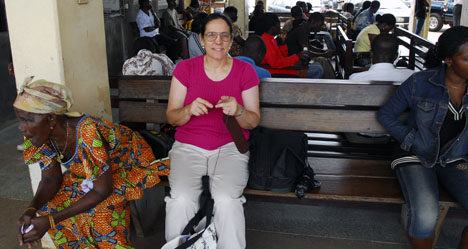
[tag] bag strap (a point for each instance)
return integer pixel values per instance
(205, 211)
(236, 133)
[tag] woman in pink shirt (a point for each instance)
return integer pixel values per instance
(202, 90)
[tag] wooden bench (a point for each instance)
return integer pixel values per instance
(324, 109)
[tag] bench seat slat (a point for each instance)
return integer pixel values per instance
(355, 167)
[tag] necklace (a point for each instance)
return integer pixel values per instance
(57, 149)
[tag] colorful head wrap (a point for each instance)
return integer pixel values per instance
(44, 97)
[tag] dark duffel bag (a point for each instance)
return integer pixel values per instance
(278, 161)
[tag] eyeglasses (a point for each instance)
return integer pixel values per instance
(211, 36)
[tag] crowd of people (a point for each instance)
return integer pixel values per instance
(107, 165)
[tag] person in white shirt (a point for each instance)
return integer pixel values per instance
(384, 51)
(147, 61)
(148, 24)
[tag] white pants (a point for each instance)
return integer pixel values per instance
(228, 180)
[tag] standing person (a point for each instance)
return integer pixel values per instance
(106, 165)
(238, 40)
(365, 5)
(420, 13)
(148, 23)
(434, 139)
(202, 90)
(277, 56)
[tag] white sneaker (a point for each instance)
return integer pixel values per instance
(20, 147)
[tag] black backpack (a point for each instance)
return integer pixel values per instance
(278, 161)
(160, 142)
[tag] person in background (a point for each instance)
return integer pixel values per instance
(203, 89)
(192, 10)
(304, 8)
(238, 41)
(147, 61)
(366, 17)
(194, 44)
(298, 39)
(385, 23)
(420, 14)
(253, 52)
(309, 7)
(148, 24)
(434, 139)
(384, 52)
(172, 27)
(296, 15)
(348, 10)
(277, 56)
(365, 5)
(104, 166)
(255, 21)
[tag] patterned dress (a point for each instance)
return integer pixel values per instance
(235, 47)
(107, 224)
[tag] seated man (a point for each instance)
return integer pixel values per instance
(146, 61)
(366, 17)
(148, 24)
(298, 39)
(277, 56)
(348, 10)
(384, 51)
(172, 27)
(296, 16)
(253, 52)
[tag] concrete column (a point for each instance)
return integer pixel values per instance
(63, 42)
(464, 14)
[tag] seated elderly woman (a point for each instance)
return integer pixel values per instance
(105, 166)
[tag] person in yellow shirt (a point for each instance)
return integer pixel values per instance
(385, 23)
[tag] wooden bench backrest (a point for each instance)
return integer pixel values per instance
(416, 45)
(327, 105)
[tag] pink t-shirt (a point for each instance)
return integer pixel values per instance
(208, 131)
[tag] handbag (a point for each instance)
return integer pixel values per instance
(278, 161)
(200, 232)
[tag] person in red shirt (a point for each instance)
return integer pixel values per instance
(277, 56)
